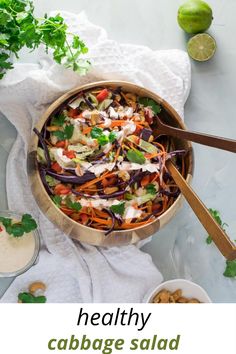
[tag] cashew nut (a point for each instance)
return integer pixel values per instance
(37, 286)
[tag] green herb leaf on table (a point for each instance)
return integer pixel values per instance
(148, 102)
(230, 270)
(118, 208)
(216, 215)
(57, 200)
(136, 156)
(27, 298)
(151, 189)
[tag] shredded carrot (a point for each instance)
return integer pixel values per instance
(95, 180)
(107, 222)
(135, 224)
(87, 130)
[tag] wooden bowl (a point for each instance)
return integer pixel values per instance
(84, 233)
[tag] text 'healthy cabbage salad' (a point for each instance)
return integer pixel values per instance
(102, 161)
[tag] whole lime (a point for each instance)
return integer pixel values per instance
(195, 16)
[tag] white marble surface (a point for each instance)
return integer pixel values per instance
(179, 250)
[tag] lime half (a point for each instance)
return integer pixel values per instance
(201, 47)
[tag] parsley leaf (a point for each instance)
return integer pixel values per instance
(18, 229)
(58, 120)
(148, 102)
(73, 205)
(151, 189)
(136, 156)
(230, 270)
(216, 215)
(118, 208)
(57, 200)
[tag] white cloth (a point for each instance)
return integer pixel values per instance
(74, 272)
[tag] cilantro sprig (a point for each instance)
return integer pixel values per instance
(18, 229)
(20, 28)
(57, 200)
(118, 208)
(58, 120)
(65, 134)
(151, 189)
(73, 205)
(103, 139)
(148, 102)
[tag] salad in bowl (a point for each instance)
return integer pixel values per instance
(102, 162)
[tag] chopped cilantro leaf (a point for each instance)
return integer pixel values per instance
(112, 137)
(96, 132)
(58, 120)
(118, 208)
(57, 200)
(59, 134)
(66, 134)
(17, 229)
(68, 131)
(151, 189)
(148, 102)
(73, 205)
(103, 139)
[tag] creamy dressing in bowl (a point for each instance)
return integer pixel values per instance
(17, 254)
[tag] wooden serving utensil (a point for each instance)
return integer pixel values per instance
(200, 138)
(220, 238)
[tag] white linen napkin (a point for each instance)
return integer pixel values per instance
(75, 272)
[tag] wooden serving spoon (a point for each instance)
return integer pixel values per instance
(200, 138)
(220, 238)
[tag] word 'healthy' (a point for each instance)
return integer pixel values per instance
(107, 345)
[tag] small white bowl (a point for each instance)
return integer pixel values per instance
(190, 290)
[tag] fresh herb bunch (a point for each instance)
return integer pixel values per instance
(18, 229)
(20, 28)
